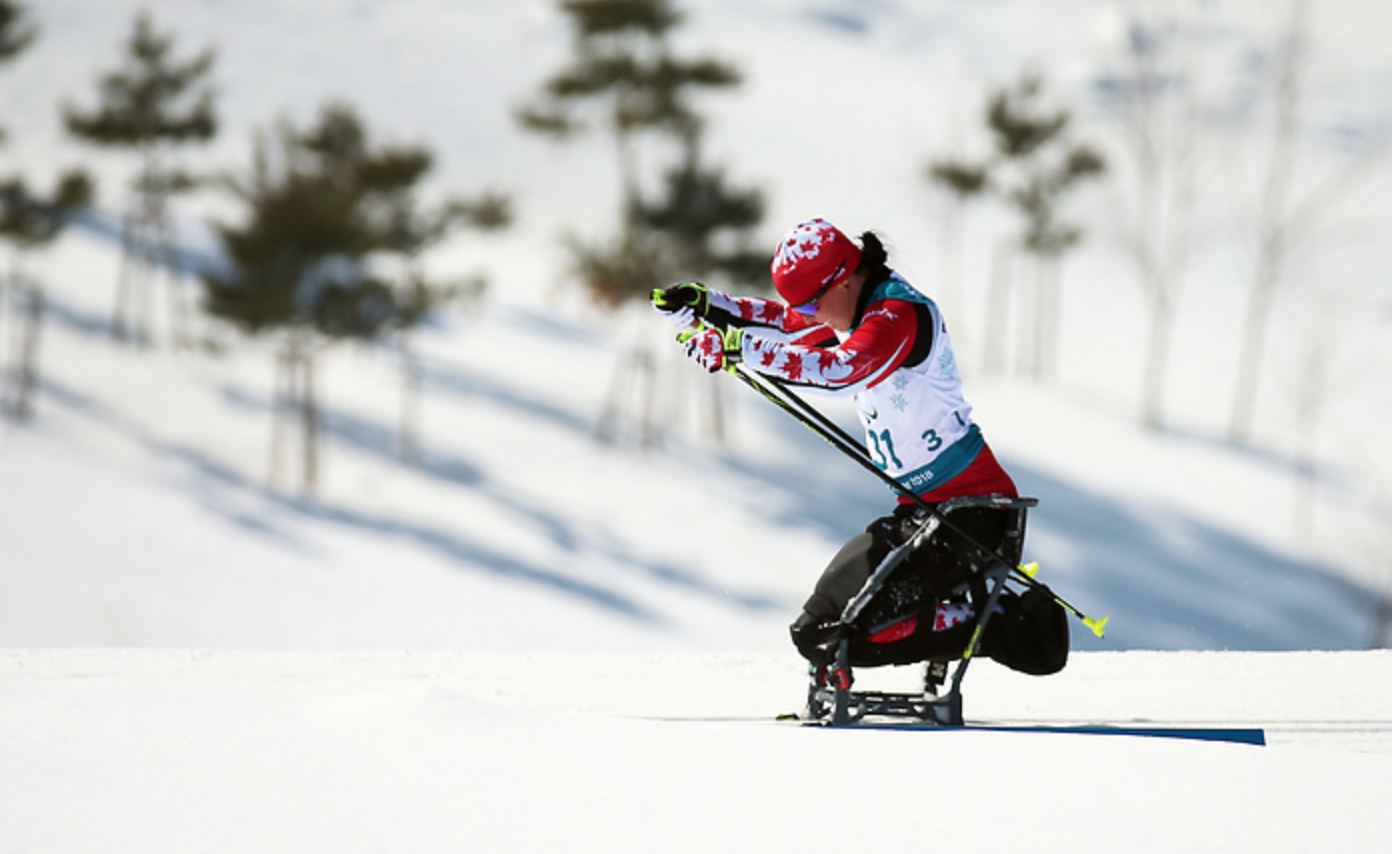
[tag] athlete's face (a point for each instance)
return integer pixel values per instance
(837, 306)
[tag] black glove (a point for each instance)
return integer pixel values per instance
(682, 305)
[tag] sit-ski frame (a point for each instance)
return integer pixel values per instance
(831, 689)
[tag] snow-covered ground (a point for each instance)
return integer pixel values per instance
(409, 751)
(484, 651)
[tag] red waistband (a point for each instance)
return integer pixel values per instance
(983, 477)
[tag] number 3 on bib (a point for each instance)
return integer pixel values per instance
(934, 440)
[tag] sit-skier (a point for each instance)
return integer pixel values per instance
(849, 324)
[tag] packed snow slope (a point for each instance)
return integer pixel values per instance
(165, 752)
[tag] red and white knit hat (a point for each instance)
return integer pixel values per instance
(813, 257)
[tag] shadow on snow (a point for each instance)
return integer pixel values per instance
(1167, 579)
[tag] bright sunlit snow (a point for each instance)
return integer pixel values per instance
(536, 641)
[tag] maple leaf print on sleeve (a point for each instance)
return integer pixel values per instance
(872, 352)
(773, 319)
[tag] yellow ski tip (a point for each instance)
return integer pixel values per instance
(1031, 569)
(1098, 627)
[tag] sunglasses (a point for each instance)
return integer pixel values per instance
(810, 307)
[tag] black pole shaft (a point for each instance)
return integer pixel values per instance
(819, 423)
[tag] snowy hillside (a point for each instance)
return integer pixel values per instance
(520, 530)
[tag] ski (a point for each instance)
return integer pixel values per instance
(1255, 736)
(1235, 735)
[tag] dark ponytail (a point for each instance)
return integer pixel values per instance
(874, 260)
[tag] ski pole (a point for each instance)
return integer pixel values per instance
(816, 421)
(819, 423)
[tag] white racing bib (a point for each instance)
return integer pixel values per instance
(918, 426)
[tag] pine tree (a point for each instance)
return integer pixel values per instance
(697, 228)
(321, 204)
(408, 232)
(624, 71)
(965, 183)
(703, 222)
(151, 105)
(1032, 168)
(16, 35)
(28, 222)
(625, 78)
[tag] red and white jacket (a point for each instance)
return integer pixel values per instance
(897, 361)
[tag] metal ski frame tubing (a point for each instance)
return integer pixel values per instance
(946, 710)
(784, 398)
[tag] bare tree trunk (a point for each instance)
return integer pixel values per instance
(1027, 306)
(282, 392)
(26, 369)
(1273, 218)
(649, 430)
(145, 294)
(632, 411)
(19, 374)
(1050, 319)
(1252, 354)
(1159, 122)
(718, 425)
(1307, 456)
(147, 250)
(411, 371)
(1313, 384)
(951, 286)
(630, 407)
(997, 330)
(1157, 358)
(167, 251)
(309, 420)
(610, 428)
(1377, 559)
(628, 175)
(295, 403)
(7, 289)
(1381, 636)
(121, 317)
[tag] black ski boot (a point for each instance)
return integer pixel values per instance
(934, 675)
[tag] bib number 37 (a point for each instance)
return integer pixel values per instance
(882, 450)
(882, 447)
